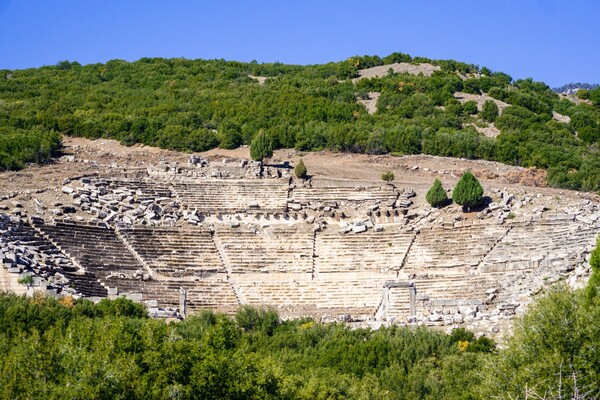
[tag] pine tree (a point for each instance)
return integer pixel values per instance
(261, 147)
(436, 196)
(468, 192)
(300, 170)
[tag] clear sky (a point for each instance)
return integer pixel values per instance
(555, 41)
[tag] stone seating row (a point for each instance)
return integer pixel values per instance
(150, 188)
(212, 294)
(175, 251)
(233, 196)
(398, 303)
(357, 294)
(48, 261)
(96, 248)
(344, 194)
(452, 248)
(368, 251)
(527, 246)
(466, 287)
(267, 251)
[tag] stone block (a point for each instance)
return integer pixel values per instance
(359, 228)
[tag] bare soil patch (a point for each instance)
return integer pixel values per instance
(480, 99)
(370, 103)
(382, 70)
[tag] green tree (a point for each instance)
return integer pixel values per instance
(263, 320)
(489, 111)
(261, 147)
(470, 107)
(300, 170)
(468, 192)
(388, 176)
(552, 352)
(436, 196)
(593, 287)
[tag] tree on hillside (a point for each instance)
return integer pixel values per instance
(436, 196)
(593, 287)
(468, 192)
(490, 111)
(552, 354)
(470, 107)
(300, 170)
(595, 96)
(261, 147)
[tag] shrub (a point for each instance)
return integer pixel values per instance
(26, 280)
(300, 170)
(264, 320)
(436, 196)
(468, 192)
(470, 107)
(593, 286)
(388, 176)
(489, 111)
(261, 147)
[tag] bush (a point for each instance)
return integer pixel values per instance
(436, 196)
(261, 147)
(593, 287)
(470, 107)
(264, 320)
(489, 111)
(468, 192)
(388, 176)
(300, 170)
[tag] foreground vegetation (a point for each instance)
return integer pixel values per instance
(76, 349)
(195, 105)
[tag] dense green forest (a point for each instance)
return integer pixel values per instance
(195, 105)
(64, 348)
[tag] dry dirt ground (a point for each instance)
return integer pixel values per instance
(382, 70)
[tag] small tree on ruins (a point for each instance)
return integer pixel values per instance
(300, 170)
(261, 147)
(436, 196)
(388, 176)
(468, 192)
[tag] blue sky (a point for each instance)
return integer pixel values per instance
(555, 41)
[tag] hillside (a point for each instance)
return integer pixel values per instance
(397, 104)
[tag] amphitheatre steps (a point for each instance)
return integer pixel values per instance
(233, 196)
(44, 260)
(399, 304)
(267, 251)
(544, 245)
(439, 248)
(97, 248)
(358, 295)
(368, 251)
(270, 242)
(174, 252)
(306, 195)
(213, 294)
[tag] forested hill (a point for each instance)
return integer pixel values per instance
(194, 105)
